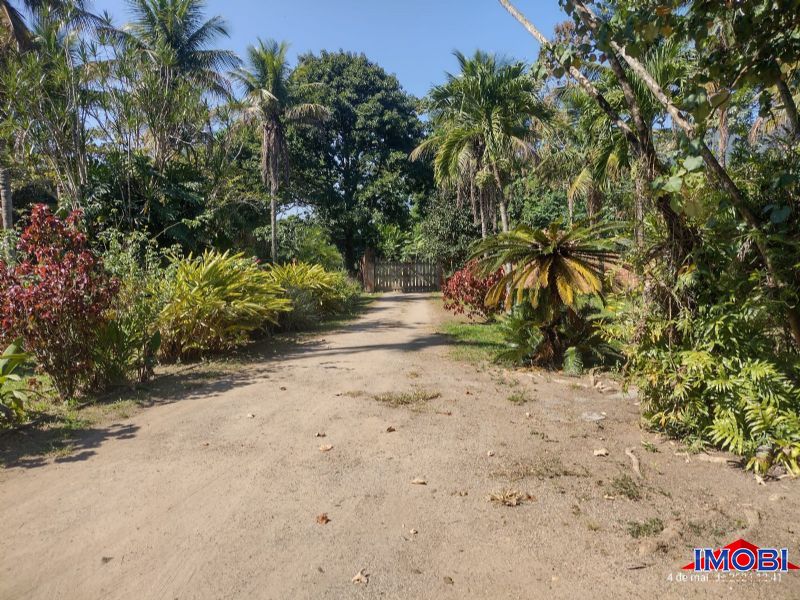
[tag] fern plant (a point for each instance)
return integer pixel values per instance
(532, 339)
(714, 375)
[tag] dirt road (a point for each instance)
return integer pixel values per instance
(215, 491)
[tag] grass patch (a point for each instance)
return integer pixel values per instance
(648, 528)
(518, 398)
(408, 398)
(474, 342)
(650, 447)
(549, 468)
(624, 485)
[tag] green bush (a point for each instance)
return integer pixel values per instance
(716, 376)
(302, 239)
(532, 336)
(215, 301)
(314, 292)
(12, 391)
(128, 344)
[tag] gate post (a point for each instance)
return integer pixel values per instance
(368, 270)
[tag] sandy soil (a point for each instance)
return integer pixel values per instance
(215, 492)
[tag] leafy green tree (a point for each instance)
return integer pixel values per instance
(353, 170)
(447, 233)
(270, 107)
(15, 39)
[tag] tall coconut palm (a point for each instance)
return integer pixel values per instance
(15, 37)
(176, 35)
(172, 43)
(268, 105)
(484, 119)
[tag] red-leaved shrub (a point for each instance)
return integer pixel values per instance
(465, 292)
(55, 298)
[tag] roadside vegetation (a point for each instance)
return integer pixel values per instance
(642, 210)
(627, 200)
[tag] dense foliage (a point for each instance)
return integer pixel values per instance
(314, 292)
(214, 302)
(353, 169)
(465, 292)
(13, 393)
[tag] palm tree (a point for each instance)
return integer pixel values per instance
(171, 42)
(176, 35)
(483, 120)
(16, 37)
(268, 105)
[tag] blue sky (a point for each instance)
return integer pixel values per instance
(413, 39)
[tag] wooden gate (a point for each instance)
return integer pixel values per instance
(391, 276)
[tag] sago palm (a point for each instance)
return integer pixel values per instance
(269, 106)
(552, 266)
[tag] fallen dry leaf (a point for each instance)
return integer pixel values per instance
(325, 448)
(320, 434)
(323, 519)
(601, 452)
(361, 577)
(419, 481)
(390, 429)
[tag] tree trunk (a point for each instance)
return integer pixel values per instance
(641, 187)
(789, 107)
(476, 219)
(482, 206)
(501, 199)
(724, 135)
(273, 222)
(5, 193)
(594, 201)
(504, 214)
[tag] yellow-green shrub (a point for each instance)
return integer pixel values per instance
(215, 302)
(315, 293)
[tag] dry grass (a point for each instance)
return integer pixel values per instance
(548, 468)
(509, 497)
(407, 398)
(518, 398)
